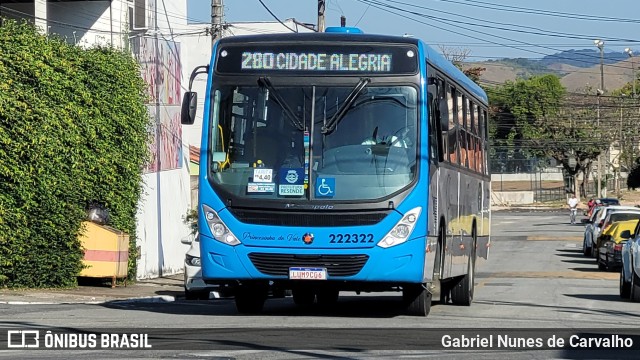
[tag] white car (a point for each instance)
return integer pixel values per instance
(630, 271)
(596, 223)
(194, 287)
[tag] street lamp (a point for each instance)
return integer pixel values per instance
(600, 45)
(633, 71)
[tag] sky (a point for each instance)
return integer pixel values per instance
(486, 29)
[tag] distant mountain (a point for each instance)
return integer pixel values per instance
(577, 69)
(582, 58)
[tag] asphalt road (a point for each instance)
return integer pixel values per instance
(536, 278)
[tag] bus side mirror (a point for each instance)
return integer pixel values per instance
(189, 107)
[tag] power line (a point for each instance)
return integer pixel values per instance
(379, 4)
(508, 8)
(72, 26)
(275, 17)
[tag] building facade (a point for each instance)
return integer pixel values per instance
(150, 29)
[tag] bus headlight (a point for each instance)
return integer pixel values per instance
(219, 230)
(401, 231)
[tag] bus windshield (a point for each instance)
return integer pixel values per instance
(268, 142)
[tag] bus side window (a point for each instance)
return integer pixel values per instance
(462, 138)
(452, 134)
(437, 142)
(471, 141)
(485, 141)
(434, 138)
(476, 133)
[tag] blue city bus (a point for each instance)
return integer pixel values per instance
(340, 161)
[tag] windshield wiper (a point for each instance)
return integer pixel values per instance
(265, 82)
(346, 105)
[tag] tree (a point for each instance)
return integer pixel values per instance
(535, 118)
(457, 57)
(633, 181)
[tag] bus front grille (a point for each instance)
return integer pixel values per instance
(319, 219)
(336, 265)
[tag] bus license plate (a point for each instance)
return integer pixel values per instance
(297, 273)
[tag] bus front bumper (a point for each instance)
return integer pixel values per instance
(403, 263)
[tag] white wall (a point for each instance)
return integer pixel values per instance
(545, 176)
(87, 23)
(166, 195)
(160, 225)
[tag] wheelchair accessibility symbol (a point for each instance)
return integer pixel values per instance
(325, 187)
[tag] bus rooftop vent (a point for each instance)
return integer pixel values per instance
(343, 30)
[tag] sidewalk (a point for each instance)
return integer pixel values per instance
(164, 289)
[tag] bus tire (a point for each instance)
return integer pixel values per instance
(327, 297)
(250, 299)
(417, 299)
(303, 296)
(462, 291)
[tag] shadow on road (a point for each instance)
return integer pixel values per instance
(573, 254)
(572, 309)
(347, 306)
(573, 251)
(587, 269)
(583, 262)
(599, 297)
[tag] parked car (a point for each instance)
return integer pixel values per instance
(194, 287)
(609, 201)
(594, 226)
(630, 270)
(609, 244)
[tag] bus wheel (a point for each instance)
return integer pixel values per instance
(462, 292)
(327, 297)
(417, 299)
(303, 296)
(250, 299)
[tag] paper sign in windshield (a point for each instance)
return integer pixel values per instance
(262, 175)
(262, 188)
(290, 190)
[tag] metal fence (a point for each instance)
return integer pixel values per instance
(544, 178)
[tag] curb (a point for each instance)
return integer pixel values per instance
(92, 301)
(163, 299)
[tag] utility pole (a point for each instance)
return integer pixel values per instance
(321, 25)
(157, 64)
(600, 45)
(216, 20)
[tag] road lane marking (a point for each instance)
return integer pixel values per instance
(555, 238)
(588, 275)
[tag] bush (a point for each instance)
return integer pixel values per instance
(633, 180)
(73, 131)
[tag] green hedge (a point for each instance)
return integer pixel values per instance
(73, 130)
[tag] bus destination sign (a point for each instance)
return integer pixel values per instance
(318, 59)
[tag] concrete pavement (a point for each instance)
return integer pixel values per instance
(163, 289)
